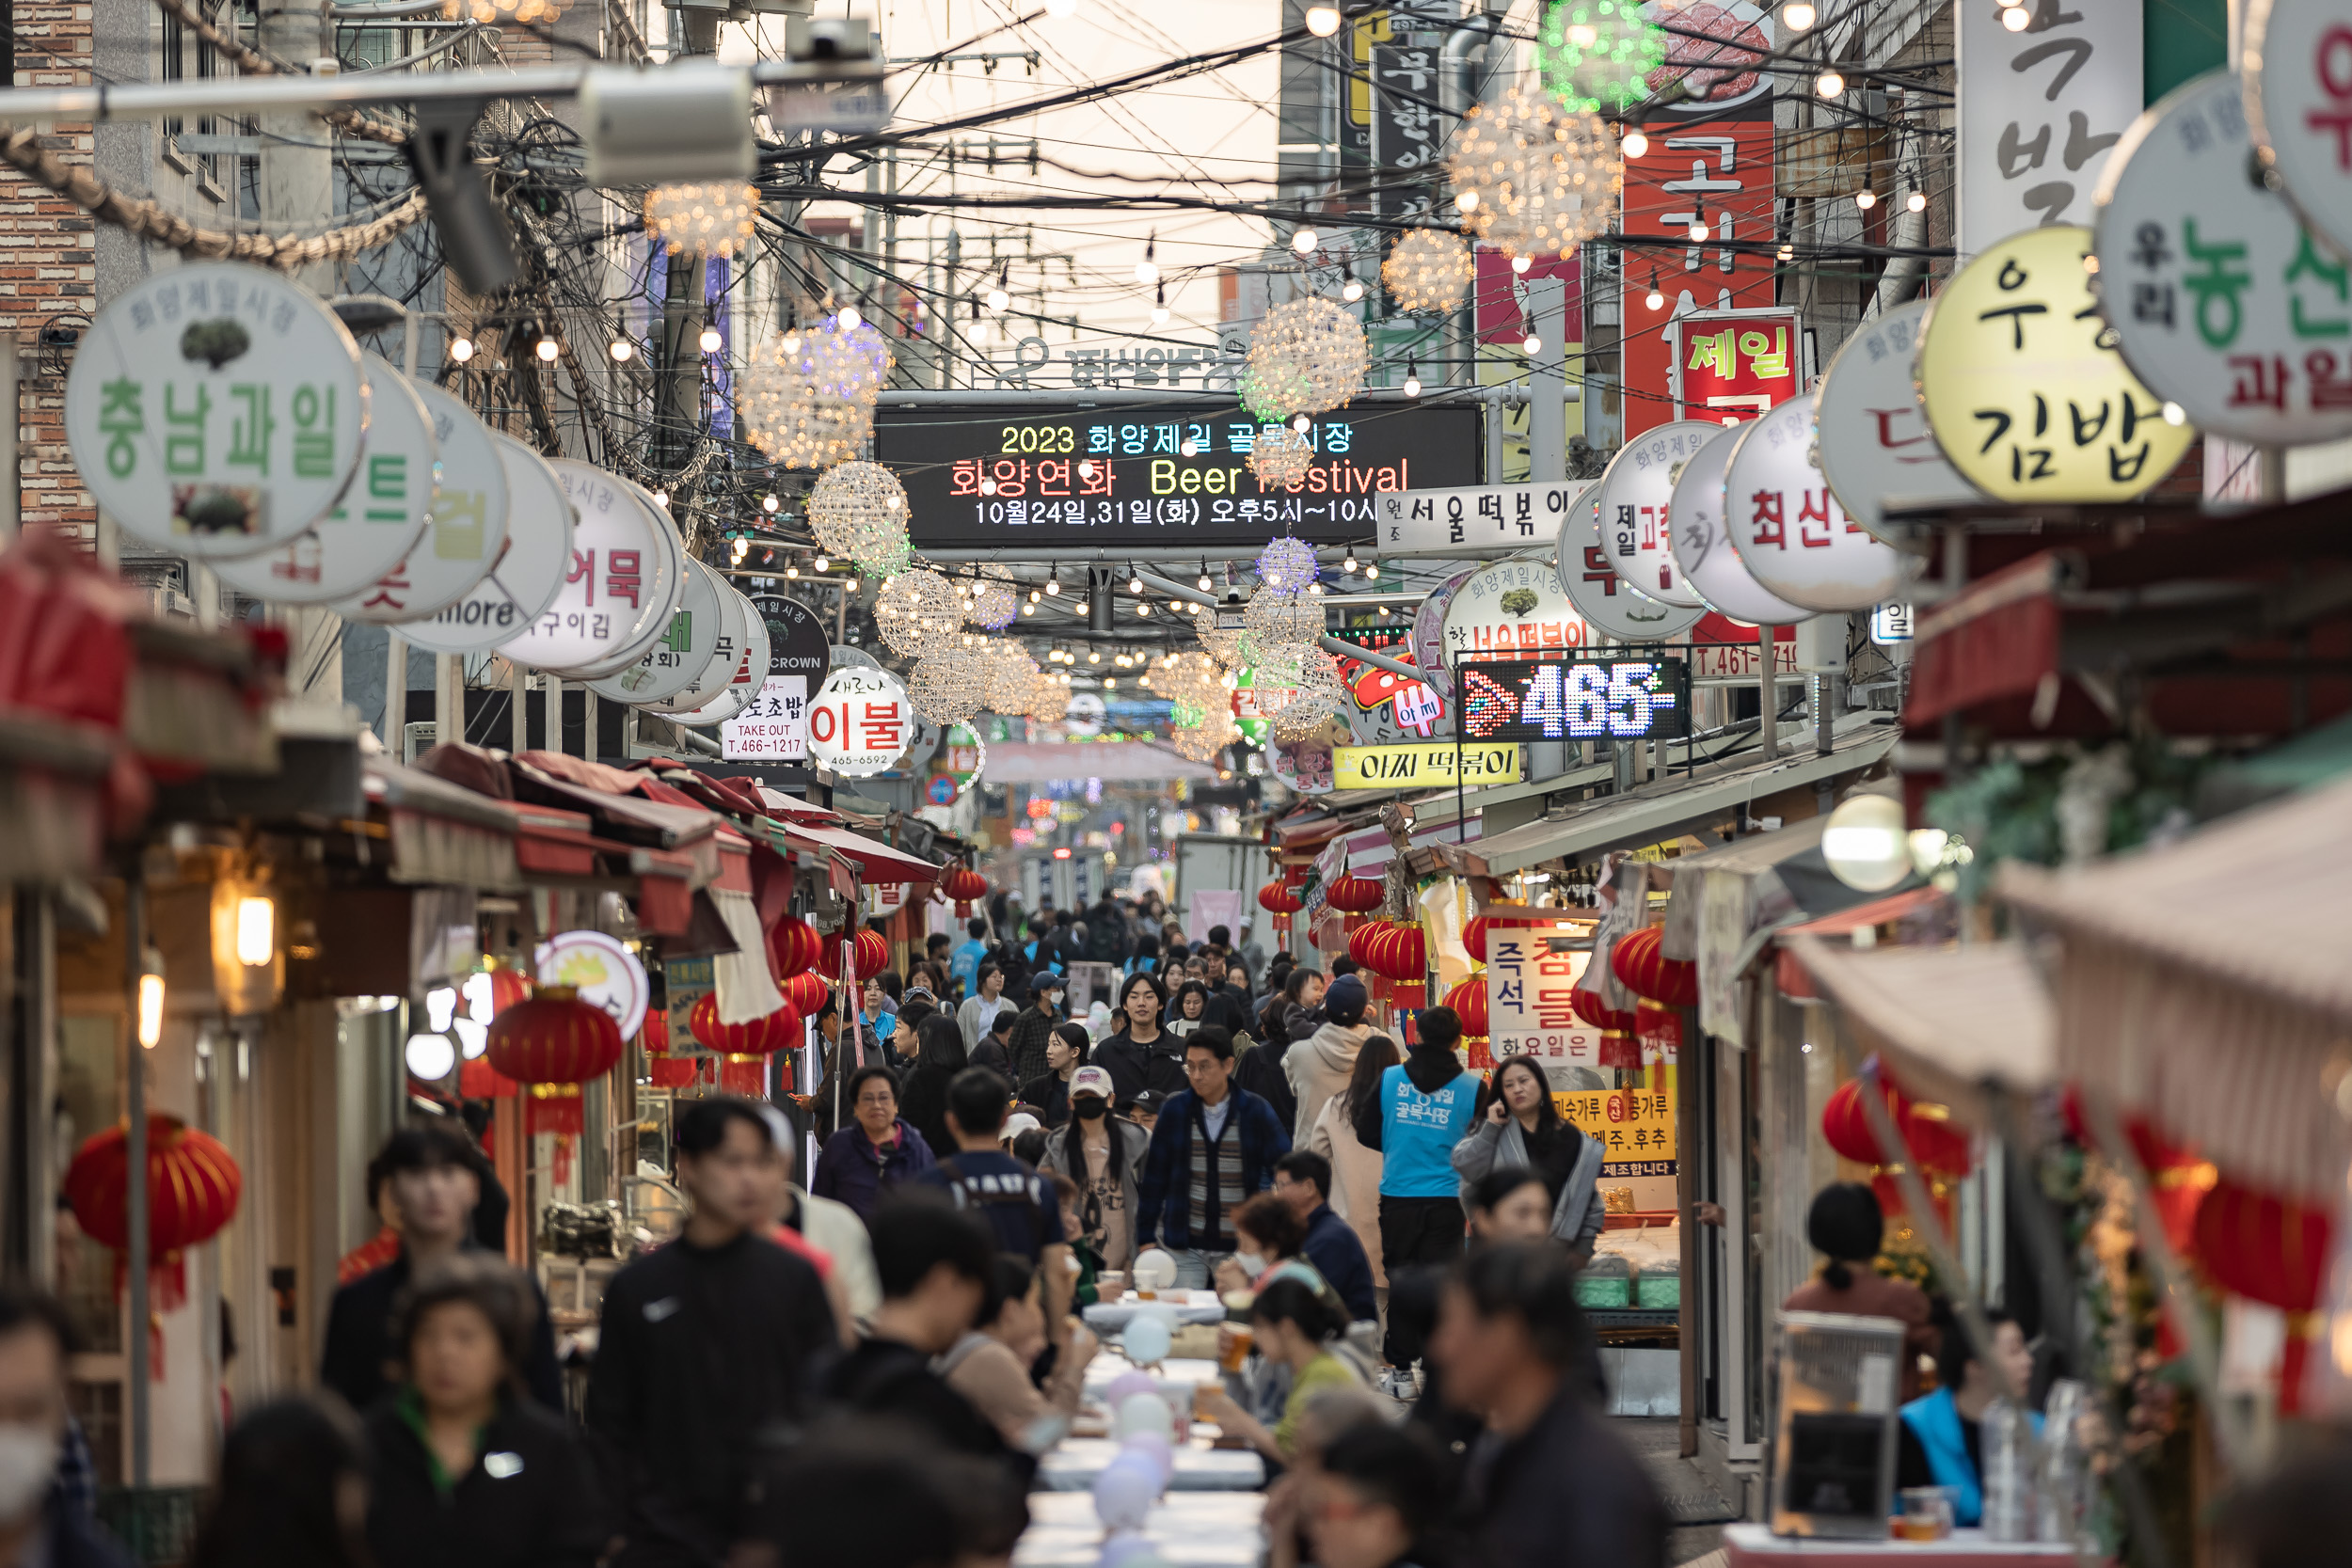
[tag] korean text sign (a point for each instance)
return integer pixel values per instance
(2040, 110)
(1732, 365)
(773, 724)
(860, 722)
(1531, 1006)
(1635, 1128)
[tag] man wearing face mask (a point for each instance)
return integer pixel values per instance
(1034, 1029)
(39, 1527)
(1104, 1157)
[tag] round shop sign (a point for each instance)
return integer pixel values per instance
(1305, 765)
(1429, 632)
(2022, 386)
(379, 519)
(743, 686)
(679, 657)
(466, 535)
(664, 587)
(2298, 103)
(859, 721)
(840, 656)
(1636, 538)
(611, 590)
(216, 409)
(727, 656)
(531, 567)
(1608, 604)
(1703, 544)
(1787, 526)
(1875, 445)
(797, 644)
(602, 969)
(1513, 609)
(2221, 299)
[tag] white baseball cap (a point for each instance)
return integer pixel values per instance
(1091, 1080)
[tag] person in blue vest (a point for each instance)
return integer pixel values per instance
(1427, 1104)
(1942, 1433)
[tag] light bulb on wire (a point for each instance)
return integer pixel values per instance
(1323, 21)
(1352, 290)
(1001, 295)
(1053, 580)
(1412, 389)
(1798, 16)
(461, 349)
(1159, 308)
(1532, 344)
(2016, 18)
(1654, 300)
(711, 340)
(1148, 270)
(621, 349)
(848, 319)
(1305, 239)
(1699, 226)
(1520, 264)
(549, 350)
(1829, 84)
(1866, 200)
(1917, 202)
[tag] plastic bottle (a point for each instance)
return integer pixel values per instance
(2066, 1479)
(2010, 1511)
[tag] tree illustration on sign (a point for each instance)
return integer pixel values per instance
(216, 341)
(1518, 601)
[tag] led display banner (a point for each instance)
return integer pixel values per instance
(1594, 699)
(982, 476)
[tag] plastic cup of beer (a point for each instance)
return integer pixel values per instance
(1232, 1347)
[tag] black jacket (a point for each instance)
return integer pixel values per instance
(893, 1381)
(1261, 1071)
(1429, 1067)
(530, 1501)
(1158, 1067)
(1525, 1509)
(702, 1351)
(1050, 1094)
(359, 1340)
(70, 1540)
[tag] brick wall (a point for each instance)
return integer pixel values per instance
(48, 271)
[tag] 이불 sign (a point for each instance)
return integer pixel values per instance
(1594, 699)
(772, 726)
(1530, 995)
(1423, 766)
(2041, 111)
(860, 722)
(980, 474)
(1475, 520)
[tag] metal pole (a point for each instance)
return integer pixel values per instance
(10, 517)
(449, 700)
(551, 729)
(134, 971)
(518, 688)
(1767, 715)
(395, 694)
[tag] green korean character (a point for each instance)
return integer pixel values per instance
(183, 442)
(315, 438)
(251, 432)
(121, 416)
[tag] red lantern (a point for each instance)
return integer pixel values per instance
(507, 987)
(192, 1190)
(554, 1037)
(873, 954)
(966, 887)
(1847, 1127)
(673, 1073)
(1355, 894)
(807, 993)
(1643, 968)
(478, 1080)
(654, 1034)
(1474, 938)
(2264, 1248)
(1659, 1030)
(1936, 1144)
(557, 1108)
(744, 1075)
(1618, 1048)
(761, 1037)
(1469, 1001)
(793, 947)
(1277, 899)
(1398, 952)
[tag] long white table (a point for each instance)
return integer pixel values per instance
(1190, 1530)
(1074, 1462)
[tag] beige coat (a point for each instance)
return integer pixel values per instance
(1355, 1178)
(1318, 1068)
(835, 1229)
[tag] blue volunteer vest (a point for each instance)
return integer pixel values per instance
(1418, 1133)
(1934, 1421)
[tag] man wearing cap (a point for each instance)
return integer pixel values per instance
(1103, 1155)
(1035, 1026)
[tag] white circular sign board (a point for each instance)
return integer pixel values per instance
(379, 519)
(2221, 299)
(467, 535)
(1429, 632)
(1512, 610)
(1709, 564)
(678, 659)
(718, 671)
(216, 409)
(1633, 495)
(1609, 607)
(538, 554)
(750, 675)
(613, 593)
(602, 969)
(859, 721)
(1876, 446)
(671, 570)
(2298, 95)
(1788, 530)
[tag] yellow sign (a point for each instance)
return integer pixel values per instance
(2021, 383)
(1420, 766)
(1635, 1126)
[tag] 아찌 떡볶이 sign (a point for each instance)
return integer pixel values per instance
(216, 409)
(1428, 766)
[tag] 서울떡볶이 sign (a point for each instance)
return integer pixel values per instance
(1599, 699)
(1421, 766)
(2041, 112)
(216, 409)
(1530, 995)
(1476, 520)
(2023, 388)
(979, 475)
(860, 722)
(1732, 365)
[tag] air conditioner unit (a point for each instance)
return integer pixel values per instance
(165, 599)
(418, 739)
(1837, 1383)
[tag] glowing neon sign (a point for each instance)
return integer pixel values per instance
(1597, 699)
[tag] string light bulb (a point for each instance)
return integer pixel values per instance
(461, 349)
(1305, 239)
(2016, 19)
(823, 562)
(662, 498)
(1532, 344)
(1829, 84)
(1053, 581)
(1323, 21)
(1148, 270)
(1520, 264)
(621, 349)
(849, 317)
(1654, 300)
(1699, 226)
(1159, 308)
(710, 341)
(1001, 295)
(1866, 200)
(1204, 576)
(1917, 202)
(549, 350)
(1798, 16)
(1635, 144)
(1135, 581)
(1412, 384)
(769, 502)
(1352, 290)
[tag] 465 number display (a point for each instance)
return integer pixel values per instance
(1599, 699)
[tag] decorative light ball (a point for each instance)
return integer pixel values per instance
(1547, 178)
(789, 411)
(1287, 565)
(995, 601)
(1280, 457)
(1275, 617)
(713, 219)
(1012, 679)
(1049, 700)
(856, 509)
(1305, 357)
(1194, 685)
(1204, 744)
(847, 361)
(1282, 670)
(492, 12)
(1429, 270)
(1597, 53)
(918, 611)
(1306, 717)
(948, 686)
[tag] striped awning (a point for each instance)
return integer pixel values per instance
(2208, 986)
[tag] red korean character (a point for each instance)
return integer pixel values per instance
(1094, 477)
(622, 576)
(1770, 526)
(584, 565)
(964, 478)
(1596, 570)
(1554, 1012)
(390, 591)
(2329, 390)
(1053, 477)
(880, 728)
(2333, 81)
(1011, 475)
(1812, 509)
(2255, 379)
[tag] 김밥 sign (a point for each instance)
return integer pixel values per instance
(2023, 392)
(2041, 111)
(216, 409)
(471, 503)
(1424, 766)
(1703, 541)
(1791, 534)
(2221, 299)
(1479, 519)
(531, 570)
(1875, 445)
(860, 722)
(1597, 699)
(2298, 105)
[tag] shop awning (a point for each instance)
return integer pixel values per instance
(53, 822)
(442, 832)
(876, 861)
(1917, 917)
(1949, 1020)
(2208, 985)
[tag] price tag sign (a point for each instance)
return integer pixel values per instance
(860, 722)
(1599, 699)
(472, 503)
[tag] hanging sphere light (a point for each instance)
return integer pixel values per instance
(917, 612)
(995, 601)
(1049, 700)
(1307, 356)
(1012, 679)
(710, 219)
(948, 686)
(1597, 53)
(1273, 617)
(795, 408)
(490, 13)
(1280, 457)
(1287, 565)
(859, 509)
(1545, 177)
(1429, 270)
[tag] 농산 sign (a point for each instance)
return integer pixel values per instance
(1421, 766)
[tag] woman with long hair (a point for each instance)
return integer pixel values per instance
(1104, 1156)
(1847, 1227)
(293, 1491)
(1142, 1053)
(1355, 1169)
(939, 1056)
(1517, 1124)
(1184, 1013)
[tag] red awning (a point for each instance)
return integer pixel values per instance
(876, 862)
(1922, 915)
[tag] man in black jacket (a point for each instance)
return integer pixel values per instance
(432, 1176)
(706, 1344)
(1510, 1341)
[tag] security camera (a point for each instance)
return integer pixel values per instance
(829, 38)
